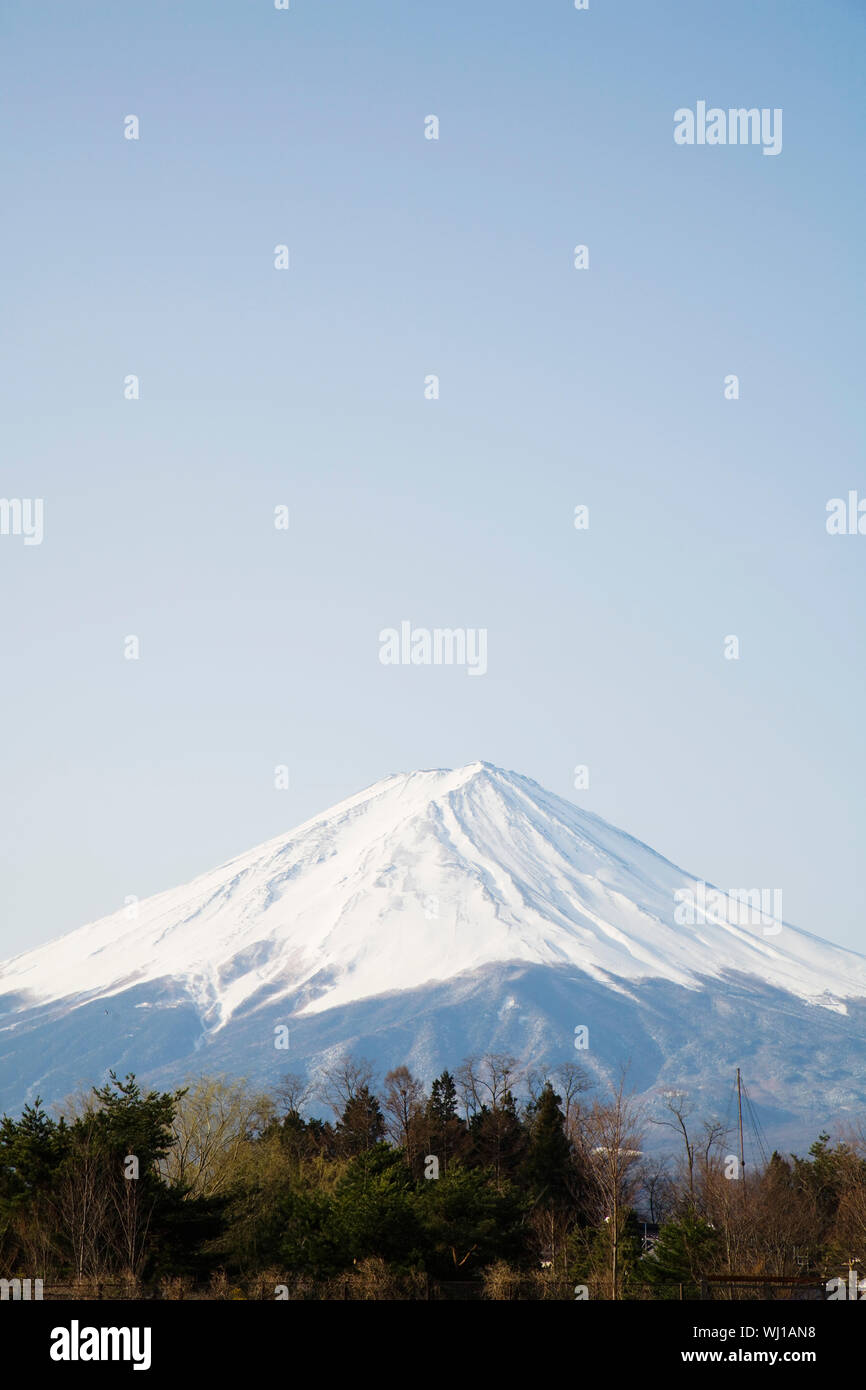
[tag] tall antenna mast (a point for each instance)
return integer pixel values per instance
(740, 1119)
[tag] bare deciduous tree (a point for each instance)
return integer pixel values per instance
(612, 1142)
(403, 1104)
(487, 1082)
(572, 1081)
(341, 1082)
(292, 1093)
(212, 1122)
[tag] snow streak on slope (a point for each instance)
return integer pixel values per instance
(419, 878)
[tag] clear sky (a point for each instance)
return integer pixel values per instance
(305, 387)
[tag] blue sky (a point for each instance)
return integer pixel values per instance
(305, 388)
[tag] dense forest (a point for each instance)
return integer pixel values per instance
(215, 1190)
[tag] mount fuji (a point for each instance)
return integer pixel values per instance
(433, 916)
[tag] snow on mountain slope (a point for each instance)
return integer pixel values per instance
(419, 878)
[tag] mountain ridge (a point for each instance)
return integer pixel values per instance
(422, 883)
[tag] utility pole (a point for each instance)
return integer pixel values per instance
(740, 1119)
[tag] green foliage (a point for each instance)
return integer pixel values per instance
(31, 1150)
(590, 1257)
(549, 1168)
(362, 1125)
(684, 1250)
(373, 1212)
(320, 1202)
(468, 1221)
(130, 1122)
(445, 1131)
(498, 1140)
(828, 1172)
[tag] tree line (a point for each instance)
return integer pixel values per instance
(219, 1186)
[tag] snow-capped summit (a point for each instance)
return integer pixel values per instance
(418, 878)
(424, 885)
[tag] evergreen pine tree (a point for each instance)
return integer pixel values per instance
(682, 1253)
(362, 1125)
(446, 1130)
(548, 1166)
